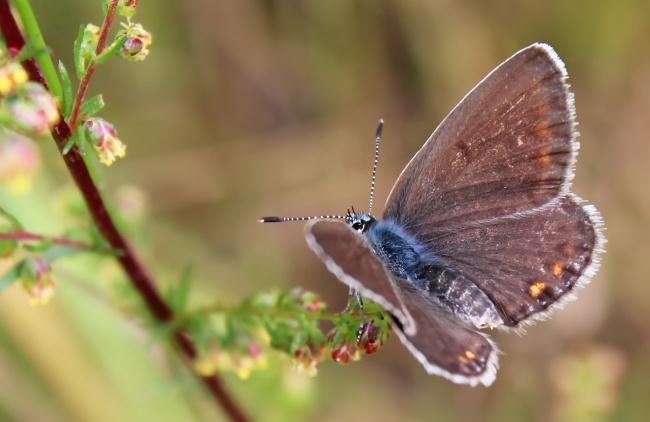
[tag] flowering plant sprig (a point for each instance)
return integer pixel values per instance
(235, 338)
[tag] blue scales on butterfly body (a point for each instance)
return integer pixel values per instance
(409, 261)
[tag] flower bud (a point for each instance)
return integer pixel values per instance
(19, 161)
(216, 359)
(306, 358)
(11, 76)
(37, 280)
(89, 43)
(344, 352)
(251, 360)
(370, 337)
(35, 110)
(104, 140)
(310, 301)
(136, 46)
(127, 7)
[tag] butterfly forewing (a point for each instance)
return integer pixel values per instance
(348, 255)
(508, 146)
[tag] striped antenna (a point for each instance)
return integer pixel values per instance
(374, 167)
(285, 219)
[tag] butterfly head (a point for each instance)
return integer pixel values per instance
(360, 221)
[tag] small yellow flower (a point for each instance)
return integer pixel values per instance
(11, 76)
(104, 140)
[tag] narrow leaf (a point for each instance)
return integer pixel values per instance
(66, 105)
(111, 50)
(74, 139)
(79, 64)
(15, 224)
(57, 252)
(91, 106)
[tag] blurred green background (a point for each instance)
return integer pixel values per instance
(247, 108)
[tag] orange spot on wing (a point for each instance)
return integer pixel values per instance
(544, 158)
(557, 269)
(537, 288)
(469, 354)
(463, 359)
(542, 130)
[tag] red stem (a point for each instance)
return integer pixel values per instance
(83, 85)
(56, 240)
(140, 278)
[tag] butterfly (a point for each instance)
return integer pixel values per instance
(480, 229)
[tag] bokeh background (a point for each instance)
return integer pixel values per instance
(247, 108)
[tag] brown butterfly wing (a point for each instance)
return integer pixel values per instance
(432, 334)
(508, 146)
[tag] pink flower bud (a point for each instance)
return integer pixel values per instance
(344, 353)
(370, 338)
(104, 140)
(19, 161)
(310, 301)
(137, 42)
(37, 280)
(127, 7)
(34, 110)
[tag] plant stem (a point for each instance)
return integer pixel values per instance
(83, 85)
(55, 240)
(34, 33)
(139, 276)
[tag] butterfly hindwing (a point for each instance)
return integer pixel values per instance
(443, 345)
(529, 262)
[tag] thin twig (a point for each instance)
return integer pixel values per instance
(83, 85)
(62, 241)
(139, 276)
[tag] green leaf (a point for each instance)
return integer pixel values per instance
(12, 275)
(92, 106)
(15, 224)
(74, 140)
(111, 50)
(79, 63)
(59, 251)
(67, 100)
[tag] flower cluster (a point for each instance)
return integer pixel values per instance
(29, 108)
(232, 338)
(241, 360)
(352, 337)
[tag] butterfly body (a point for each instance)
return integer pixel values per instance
(411, 262)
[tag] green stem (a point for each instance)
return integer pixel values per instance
(34, 34)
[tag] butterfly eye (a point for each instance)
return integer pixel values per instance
(357, 225)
